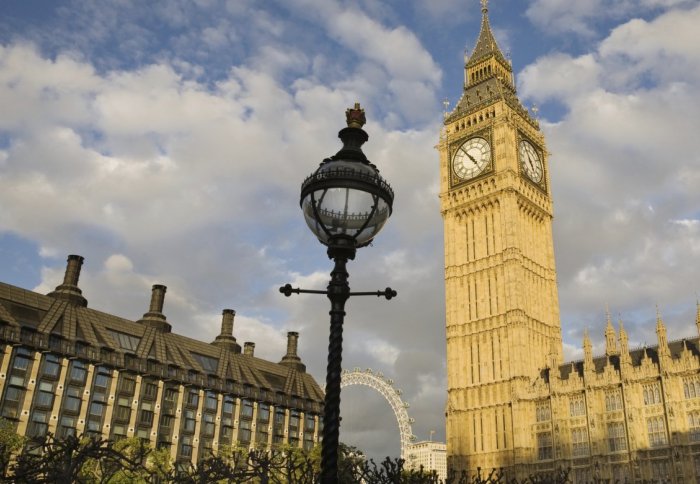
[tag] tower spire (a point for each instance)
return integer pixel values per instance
(624, 341)
(587, 350)
(697, 315)
(610, 342)
(486, 45)
(661, 332)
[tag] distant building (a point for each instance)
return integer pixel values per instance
(431, 455)
(68, 369)
(630, 415)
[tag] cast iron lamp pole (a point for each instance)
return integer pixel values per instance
(345, 204)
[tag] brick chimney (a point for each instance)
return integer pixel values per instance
(249, 348)
(155, 317)
(291, 359)
(69, 290)
(226, 338)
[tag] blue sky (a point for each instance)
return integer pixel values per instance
(165, 142)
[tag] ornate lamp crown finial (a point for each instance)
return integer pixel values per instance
(484, 6)
(355, 116)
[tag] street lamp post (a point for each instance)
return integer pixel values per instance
(345, 204)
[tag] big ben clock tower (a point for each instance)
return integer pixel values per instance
(502, 311)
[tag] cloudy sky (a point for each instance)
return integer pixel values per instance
(165, 142)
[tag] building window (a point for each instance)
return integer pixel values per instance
(208, 427)
(125, 341)
(246, 409)
(263, 413)
(661, 470)
(263, 425)
(127, 385)
(691, 387)
(71, 401)
(189, 423)
(657, 431)
(170, 395)
(210, 401)
(652, 394)
(581, 475)
(102, 378)
(542, 411)
(293, 427)
(146, 418)
(577, 405)
(123, 411)
(14, 396)
(229, 405)
(67, 427)
(209, 364)
(193, 397)
(617, 440)
(613, 401)
(186, 447)
(244, 431)
(579, 442)
(51, 366)
(544, 445)
(278, 428)
(97, 409)
(44, 397)
(17, 380)
(261, 434)
(309, 425)
(39, 424)
(78, 372)
(119, 431)
(694, 426)
(150, 391)
(22, 359)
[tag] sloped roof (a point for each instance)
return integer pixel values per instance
(486, 45)
(47, 315)
(676, 349)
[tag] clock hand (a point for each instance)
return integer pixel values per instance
(529, 159)
(472, 158)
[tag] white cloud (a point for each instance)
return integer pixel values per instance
(628, 138)
(563, 16)
(559, 76)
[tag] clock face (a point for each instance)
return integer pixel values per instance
(472, 158)
(531, 162)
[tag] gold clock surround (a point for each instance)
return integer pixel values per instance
(455, 178)
(526, 141)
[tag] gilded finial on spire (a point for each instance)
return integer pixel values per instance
(355, 116)
(484, 6)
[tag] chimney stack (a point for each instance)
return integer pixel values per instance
(249, 348)
(75, 262)
(155, 317)
(226, 338)
(291, 359)
(69, 290)
(157, 298)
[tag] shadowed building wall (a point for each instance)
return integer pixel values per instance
(68, 369)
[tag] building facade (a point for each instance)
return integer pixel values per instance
(512, 401)
(68, 369)
(431, 456)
